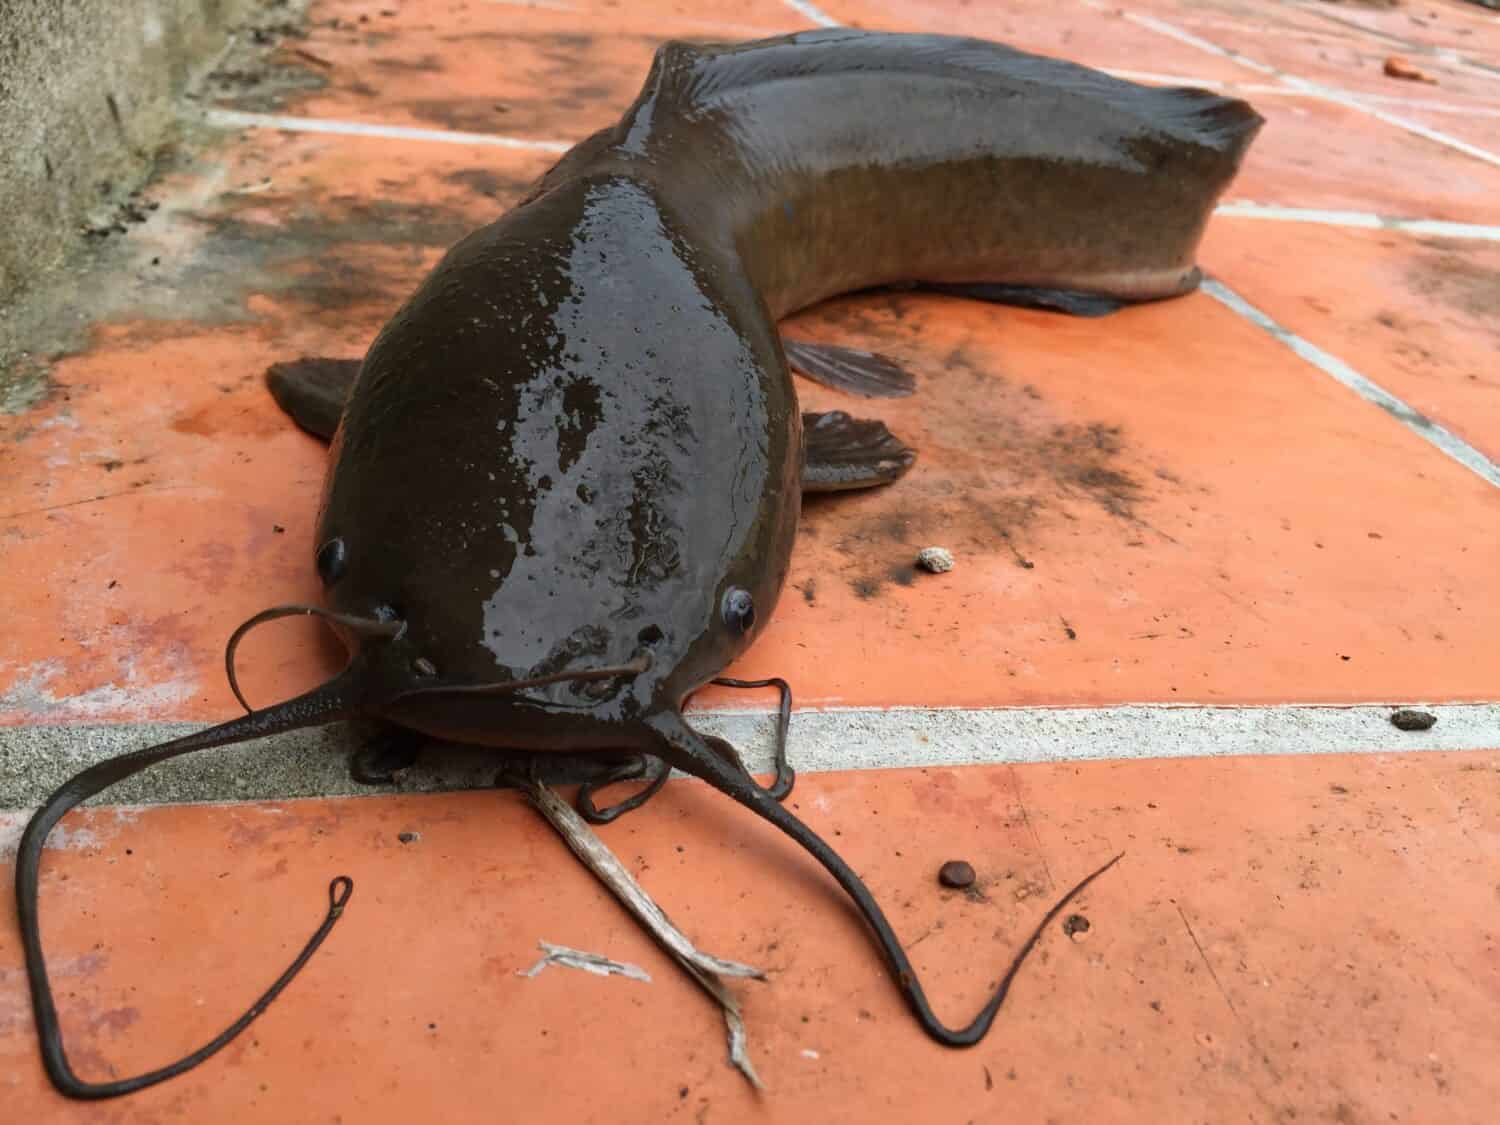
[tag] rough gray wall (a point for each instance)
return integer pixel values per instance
(87, 93)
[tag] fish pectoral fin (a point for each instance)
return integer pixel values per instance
(313, 391)
(1070, 301)
(867, 374)
(846, 453)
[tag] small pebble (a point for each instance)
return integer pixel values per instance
(1406, 719)
(957, 874)
(938, 560)
(1397, 66)
(1075, 926)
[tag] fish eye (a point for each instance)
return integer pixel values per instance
(738, 609)
(333, 558)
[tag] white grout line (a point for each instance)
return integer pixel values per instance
(1172, 31)
(906, 737)
(1450, 55)
(1433, 228)
(1424, 427)
(1416, 127)
(1350, 101)
(812, 12)
(235, 119)
(1476, 110)
(315, 763)
(1320, 93)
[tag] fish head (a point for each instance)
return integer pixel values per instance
(575, 449)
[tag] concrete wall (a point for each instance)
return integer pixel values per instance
(87, 94)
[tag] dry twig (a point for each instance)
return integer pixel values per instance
(702, 967)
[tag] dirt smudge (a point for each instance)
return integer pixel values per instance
(481, 114)
(210, 565)
(345, 253)
(1015, 468)
(230, 416)
(24, 383)
(493, 185)
(554, 84)
(422, 64)
(1454, 275)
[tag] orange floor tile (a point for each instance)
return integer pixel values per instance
(1333, 53)
(1420, 316)
(1320, 155)
(1461, 26)
(1268, 950)
(1483, 131)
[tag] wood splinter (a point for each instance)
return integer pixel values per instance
(704, 968)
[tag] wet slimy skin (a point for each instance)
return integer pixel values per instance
(565, 480)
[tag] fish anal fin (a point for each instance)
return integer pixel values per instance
(867, 374)
(1071, 301)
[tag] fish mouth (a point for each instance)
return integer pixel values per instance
(633, 667)
(385, 627)
(513, 714)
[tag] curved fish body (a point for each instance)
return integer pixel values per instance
(839, 160)
(566, 478)
(594, 385)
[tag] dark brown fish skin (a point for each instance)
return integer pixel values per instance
(563, 452)
(581, 432)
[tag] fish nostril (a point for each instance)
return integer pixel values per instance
(738, 609)
(391, 615)
(333, 560)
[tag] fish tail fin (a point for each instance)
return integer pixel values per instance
(1212, 120)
